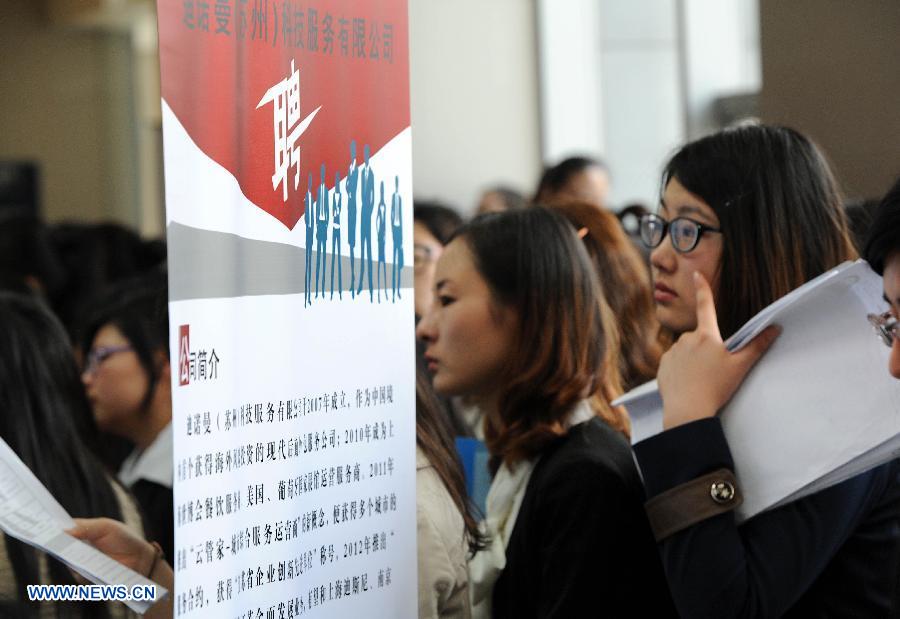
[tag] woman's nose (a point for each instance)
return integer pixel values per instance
(425, 328)
(663, 256)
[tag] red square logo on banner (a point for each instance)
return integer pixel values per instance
(184, 354)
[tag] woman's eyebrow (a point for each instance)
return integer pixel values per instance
(689, 210)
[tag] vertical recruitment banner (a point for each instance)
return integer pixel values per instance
(289, 215)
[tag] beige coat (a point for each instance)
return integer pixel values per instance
(440, 533)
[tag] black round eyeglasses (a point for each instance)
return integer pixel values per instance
(684, 233)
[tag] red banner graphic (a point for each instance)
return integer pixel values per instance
(271, 90)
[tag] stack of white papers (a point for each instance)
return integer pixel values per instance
(29, 513)
(819, 407)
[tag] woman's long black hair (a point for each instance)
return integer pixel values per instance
(44, 416)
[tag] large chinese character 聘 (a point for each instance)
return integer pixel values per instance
(287, 127)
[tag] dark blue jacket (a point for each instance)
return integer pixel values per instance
(835, 553)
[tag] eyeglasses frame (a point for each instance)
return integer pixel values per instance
(886, 327)
(96, 356)
(666, 224)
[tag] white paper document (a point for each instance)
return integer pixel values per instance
(819, 407)
(30, 514)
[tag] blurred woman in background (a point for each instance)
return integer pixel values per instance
(626, 288)
(500, 199)
(433, 224)
(127, 377)
(582, 179)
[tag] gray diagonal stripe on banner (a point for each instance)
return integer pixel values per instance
(219, 264)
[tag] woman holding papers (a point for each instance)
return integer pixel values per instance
(747, 215)
(44, 419)
(518, 324)
(118, 542)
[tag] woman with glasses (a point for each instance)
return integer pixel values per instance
(882, 251)
(127, 379)
(746, 216)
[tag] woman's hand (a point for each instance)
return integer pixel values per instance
(698, 375)
(116, 541)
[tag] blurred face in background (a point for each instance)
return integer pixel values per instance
(115, 381)
(492, 202)
(589, 185)
(426, 251)
(469, 337)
